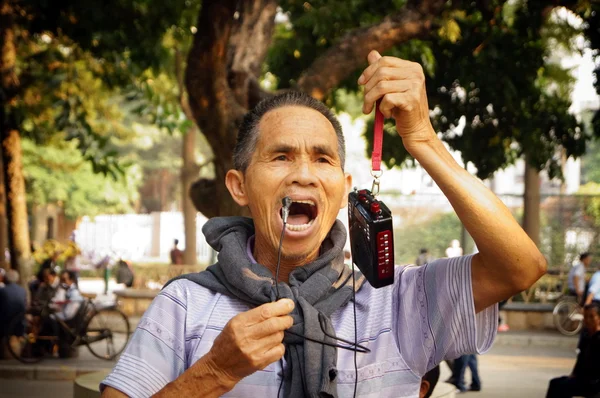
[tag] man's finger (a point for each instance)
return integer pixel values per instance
(274, 354)
(382, 88)
(390, 73)
(407, 70)
(269, 310)
(382, 61)
(272, 326)
(401, 101)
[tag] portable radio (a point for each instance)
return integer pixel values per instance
(371, 237)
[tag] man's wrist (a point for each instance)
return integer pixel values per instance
(203, 378)
(206, 367)
(424, 145)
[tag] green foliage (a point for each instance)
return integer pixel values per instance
(72, 60)
(126, 34)
(58, 173)
(435, 235)
(593, 207)
(509, 111)
(488, 63)
(590, 162)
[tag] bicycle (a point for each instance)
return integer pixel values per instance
(568, 316)
(29, 341)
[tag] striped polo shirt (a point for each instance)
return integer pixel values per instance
(426, 316)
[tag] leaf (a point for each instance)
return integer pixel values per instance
(450, 30)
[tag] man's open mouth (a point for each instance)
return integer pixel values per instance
(303, 213)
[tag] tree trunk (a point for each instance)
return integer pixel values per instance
(189, 170)
(220, 74)
(14, 182)
(18, 226)
(531, 203)
(3, 224)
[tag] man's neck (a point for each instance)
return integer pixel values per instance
(264, 254)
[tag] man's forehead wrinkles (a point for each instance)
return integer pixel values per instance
(296, 117)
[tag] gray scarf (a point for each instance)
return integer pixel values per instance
(319, 287)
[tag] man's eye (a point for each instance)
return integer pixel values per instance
(323, 160)
(281, 157)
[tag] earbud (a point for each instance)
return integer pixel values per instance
(286, 202)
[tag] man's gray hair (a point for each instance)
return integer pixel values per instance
(12, 276)
(248, 133)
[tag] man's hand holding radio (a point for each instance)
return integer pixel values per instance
(508, 261)
(400, 85)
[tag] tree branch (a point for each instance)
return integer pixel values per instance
(338, 62)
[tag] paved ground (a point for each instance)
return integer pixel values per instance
(519, 365)
(513, 371)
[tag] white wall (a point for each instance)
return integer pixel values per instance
(138, 237)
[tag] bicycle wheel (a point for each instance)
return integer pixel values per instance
(106, 333)
(24, 342)
(567, 317)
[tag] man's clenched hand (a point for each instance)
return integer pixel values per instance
(250, 341)
(400, 85)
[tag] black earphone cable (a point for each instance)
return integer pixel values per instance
(279, 261)
(355, 329)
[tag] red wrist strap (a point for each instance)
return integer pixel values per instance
(377, 139)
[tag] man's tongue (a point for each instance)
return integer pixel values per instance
(298, 219)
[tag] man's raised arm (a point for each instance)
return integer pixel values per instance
(508, 261)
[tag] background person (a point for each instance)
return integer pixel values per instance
(454, 250)
(429, 382)
(176, 254)
(585, 378)
(576, 278)
(68, 298)
(460, 366)
(13, 300)
(424, 257)
(593, 292)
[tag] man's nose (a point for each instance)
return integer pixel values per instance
(303, 173)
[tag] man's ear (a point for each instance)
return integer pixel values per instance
(234, 180)
(348, 182)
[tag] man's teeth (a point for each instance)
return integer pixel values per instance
(308, 201)
(299, 227)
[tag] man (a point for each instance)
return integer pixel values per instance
(593, 293)
(13, 300)
(454, 250)
(225, 333)
(423, 258)
(460, 366)
(429, 382)
(585, 378)
(576, 278)
(176, 254)
(124, 274)
(68, 299)
(47, 288)
(49, 264)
